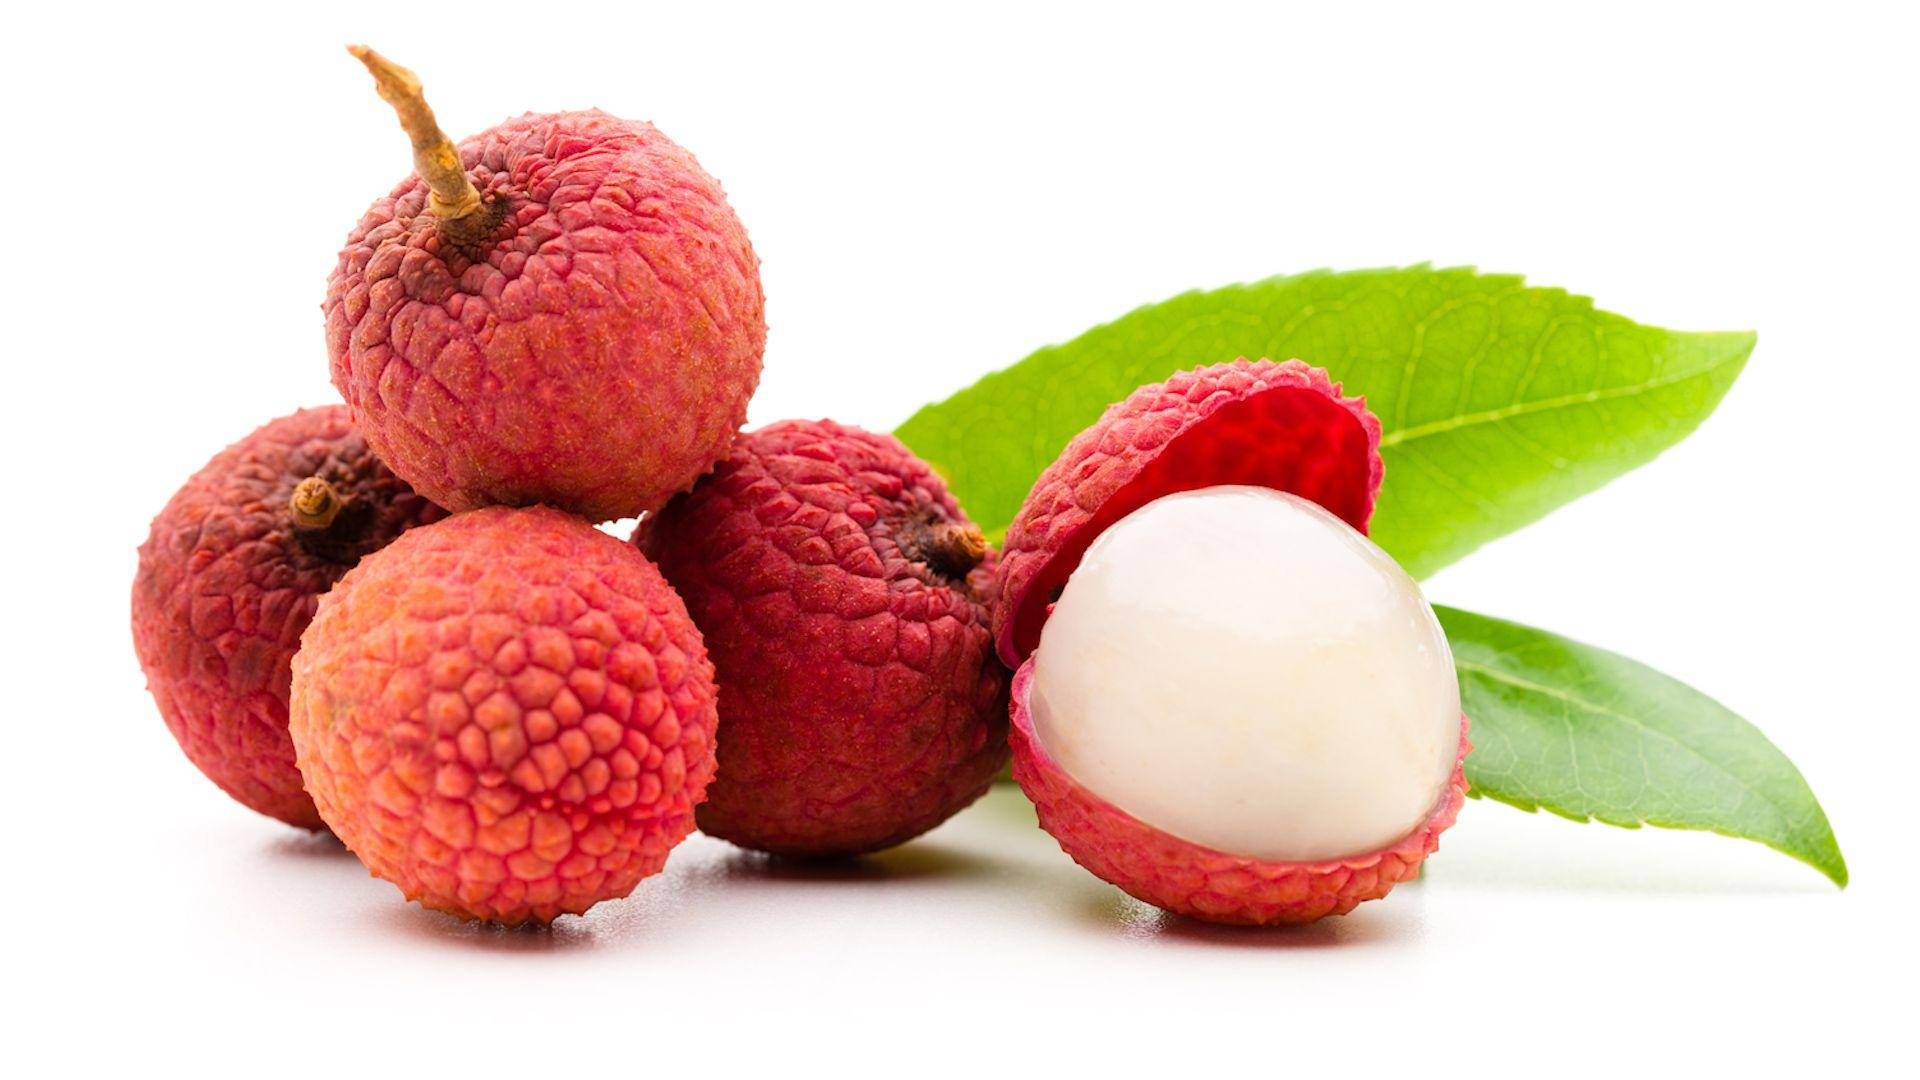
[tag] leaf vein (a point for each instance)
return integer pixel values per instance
(1525, 408)
(1571, 700)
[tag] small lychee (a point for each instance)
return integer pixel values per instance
(1233, 705)
(507, 714)
(562, 309)
(845, 599)
(229, 577)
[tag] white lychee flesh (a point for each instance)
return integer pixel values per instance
(1239, 668)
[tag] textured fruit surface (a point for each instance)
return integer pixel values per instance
(1265, 424)
(1203, 882)
(844, 598)
(227, 581)
(1239, 668)
(508, 715)
(1282, 426)
(595, 353)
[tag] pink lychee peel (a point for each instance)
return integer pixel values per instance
(1199, 881)
(1260, 423)
(595, 354)
(1285, 426)
(508, 714)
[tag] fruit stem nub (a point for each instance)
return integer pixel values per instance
(953, 550)
(452, 196)
(314, 504)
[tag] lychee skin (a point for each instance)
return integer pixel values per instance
(1284, 426)
(508, 715)
(860, 699)
(1257, 423)
(1239, 668)
(596, 354)
(1201, 882)
(227, 582)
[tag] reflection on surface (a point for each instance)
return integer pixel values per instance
(308, 845)
(914, 860)
(1115, 913)
(991, 870)
(567, 933)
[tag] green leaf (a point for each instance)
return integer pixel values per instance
(1499, 401)
(1591, 735)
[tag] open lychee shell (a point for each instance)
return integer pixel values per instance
(1284, 426)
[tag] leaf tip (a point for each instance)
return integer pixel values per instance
(1835, 867)
(1736, 344)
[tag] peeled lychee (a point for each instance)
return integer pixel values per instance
(1298, 711)
(508, 715)
(563, 309)
(229, 577)
(845, 599)
(1231, 703)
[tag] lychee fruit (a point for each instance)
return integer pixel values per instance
(1230, 703)
(507, 714)
(845, 598)
(563, 309)
(229, 577)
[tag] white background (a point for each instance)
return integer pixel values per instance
(934, 194)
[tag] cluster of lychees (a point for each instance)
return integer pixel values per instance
(396, 619)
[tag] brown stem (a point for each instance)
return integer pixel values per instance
(952, 550)
(452, 197)
(314, 504)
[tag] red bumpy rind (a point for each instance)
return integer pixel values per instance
(1260, 423)
(861, 704)
(595, 354)
(507, 714)
(1284, 426)
(227, 583)
(1202, 882)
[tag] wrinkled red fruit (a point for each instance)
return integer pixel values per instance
(1278, 425)
(228, 579)
(844, 598)
(593, 349)
(508, 715)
